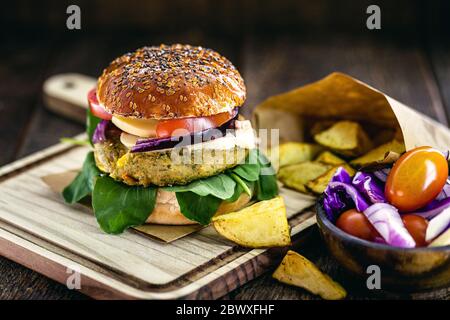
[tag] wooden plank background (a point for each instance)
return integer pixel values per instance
(411, 64)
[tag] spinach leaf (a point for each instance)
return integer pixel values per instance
(237, 193)
(118, 206)
(247, 171)
(91, 123)
(266, 186)
(239, 189)
(220, 186)
(241, 183)
(83, 184)
(198, 208)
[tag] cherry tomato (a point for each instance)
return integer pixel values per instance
(416, 178)
(417, 228)
(167, 128)
(96, 108)
(357, 224)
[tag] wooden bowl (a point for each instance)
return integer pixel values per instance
(402, 269)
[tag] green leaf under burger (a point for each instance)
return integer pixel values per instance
(220, 186)
(83, 184)
(266, 186)
(198, 208)
(118, 206)
(248, 171)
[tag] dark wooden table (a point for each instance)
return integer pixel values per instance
(415, 71)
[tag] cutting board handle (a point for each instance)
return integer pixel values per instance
(66, 94)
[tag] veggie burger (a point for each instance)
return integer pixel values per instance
(169, 146)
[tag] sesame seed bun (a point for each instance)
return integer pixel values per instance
(167, 210)
(168, 82)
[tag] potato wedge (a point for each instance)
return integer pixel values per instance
(319, 184)
(298, 271)
(292, 152)
(379, 153)
(329, 158)
(346, 138)
(263, 224)
(320, 126)
(296, 176)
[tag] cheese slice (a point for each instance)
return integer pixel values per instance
(129, 140)
(139, 127)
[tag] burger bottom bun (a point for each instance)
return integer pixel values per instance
(167, 210)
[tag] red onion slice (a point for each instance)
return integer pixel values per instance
(193, 138)
(387, 221)
(438, 224)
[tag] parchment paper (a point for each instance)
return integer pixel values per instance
(57, 182)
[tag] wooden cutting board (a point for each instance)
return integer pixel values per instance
(40, 231)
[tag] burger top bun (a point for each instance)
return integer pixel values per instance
(169, 82)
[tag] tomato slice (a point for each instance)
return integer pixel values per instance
(96, 108)
(181, 126)
(416, 178)
(417, 228)
(356, 223)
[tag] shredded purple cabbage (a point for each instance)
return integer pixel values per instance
(382, 174)
(340, 196)
(100, 131)
(433, 208)
(341, 175)
(445, 193)
(369, 187)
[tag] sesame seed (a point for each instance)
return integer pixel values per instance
(169, 70)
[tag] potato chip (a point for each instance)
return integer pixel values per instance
(292, 152)
(296, 176)
(298, 271)
(319, 184)
(346, 138)
(329, 158)
(320, 126)
(379, 153)
(263, 224)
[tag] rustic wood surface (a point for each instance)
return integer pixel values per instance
(412, 71)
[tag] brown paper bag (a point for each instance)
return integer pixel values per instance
(339, 96)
